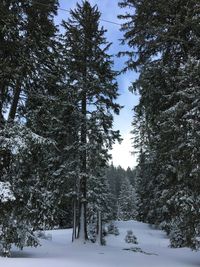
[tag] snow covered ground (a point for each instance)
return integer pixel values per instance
(152, 251)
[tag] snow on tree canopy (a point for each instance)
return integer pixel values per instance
(18, 137)
(6, 193)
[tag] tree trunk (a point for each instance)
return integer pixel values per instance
(15, 102)
(2, 94)
(99, 228)
(83, 179)
(74, 220)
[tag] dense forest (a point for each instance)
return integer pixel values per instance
(166, 125)
(58, 97)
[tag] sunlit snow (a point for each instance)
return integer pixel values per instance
(152, 250)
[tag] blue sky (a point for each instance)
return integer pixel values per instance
(109, 10)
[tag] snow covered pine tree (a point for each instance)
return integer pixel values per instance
(93, 81)
(165, 37)
(24, 45)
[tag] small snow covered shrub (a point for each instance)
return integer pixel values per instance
(181, 236)
(103, 241)
(176, 238)
(5, 252)
(43, 235)
(112, 229)
(130, 237)
(92, 232)
(104, 234)
(105, 230)
(165, 226)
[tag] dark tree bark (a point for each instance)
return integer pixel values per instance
(16, 97)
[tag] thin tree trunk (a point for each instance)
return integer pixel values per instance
(74, 219)
(2, 94)
(82, 235)
(4, 154)
(15, 102)
(99, 228)
(83, 179)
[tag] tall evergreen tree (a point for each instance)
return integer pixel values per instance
(165, 37)
(27, 33)
(115, 177)
(127, 201)
(92, 79)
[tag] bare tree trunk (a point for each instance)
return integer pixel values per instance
(83, 178)
(99, 228)
(82, 234)
(4, 153)
(74, 219)
(15, 102)
(2, 96)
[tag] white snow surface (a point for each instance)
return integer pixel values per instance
(60, 252)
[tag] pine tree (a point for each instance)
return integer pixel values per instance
(127, 202)
(92, 79)
(100, 201)
(167, 56)
(115, 177)
(23, 32)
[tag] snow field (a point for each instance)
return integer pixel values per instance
(153, 251)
